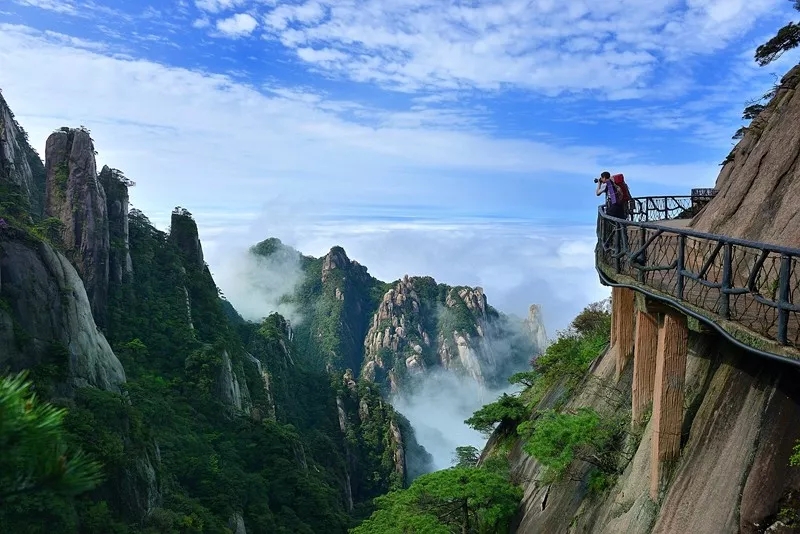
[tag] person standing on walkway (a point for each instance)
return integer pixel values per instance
(615, 207)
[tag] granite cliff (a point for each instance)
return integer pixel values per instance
(761, 177)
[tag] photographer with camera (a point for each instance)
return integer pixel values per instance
(615, 195)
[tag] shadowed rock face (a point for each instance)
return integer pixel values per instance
(19, 163)
(759, 187)
(117, 200)
(75, 197)
(183, 233)
(45, 317)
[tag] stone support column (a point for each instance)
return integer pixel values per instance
(670, 374)
(644, 364)
(624, 320)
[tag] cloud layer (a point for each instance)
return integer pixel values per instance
(425, 137)
(424, 44)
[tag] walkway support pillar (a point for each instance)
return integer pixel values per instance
(644, 364)
(670, 374)
(623, 319)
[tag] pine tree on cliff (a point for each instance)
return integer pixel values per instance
(35, 455)
(786, 39)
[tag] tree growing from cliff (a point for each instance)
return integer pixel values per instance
(35, 455)
(459, 499)
(556, 440)
(786, 39)
(466, 456)
(595, 318)
(508, 411)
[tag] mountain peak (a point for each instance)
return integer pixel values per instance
(183, 232)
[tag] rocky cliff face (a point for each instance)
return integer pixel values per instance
(46, 317)
(184, 235)
(19, 163)
(733, 472)
(75, 197)
(421, 325)
(115, 186)
(232, 391)
(398, 336)
(760, 182)
(534, 328)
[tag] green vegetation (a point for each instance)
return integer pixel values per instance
(466, 456)
(459, 499)
(556, 437)
(508, 410)
(61, 180)
(177, 456)
(36, 457)
(786, 39)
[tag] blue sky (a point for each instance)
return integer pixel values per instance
(453, 138)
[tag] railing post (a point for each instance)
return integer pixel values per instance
(783, 298)
(681, 263)
(725, 297)
(617, 248)
(642, 258)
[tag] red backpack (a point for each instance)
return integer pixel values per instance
(619, 181)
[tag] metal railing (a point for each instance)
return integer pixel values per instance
(752, 284)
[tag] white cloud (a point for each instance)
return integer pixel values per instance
(309, 12)
(228, 151)
(201, 23)
(58, 6)
(441, 430)
(256, 285)
(609, 47)
(237, 25)
(324, 55)
(518, 263)
(215, 6)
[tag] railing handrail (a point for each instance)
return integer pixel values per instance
(770, 290)
(789, 251)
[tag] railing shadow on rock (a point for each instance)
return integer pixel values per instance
(728, 280)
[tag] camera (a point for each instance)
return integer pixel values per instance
(596, 180)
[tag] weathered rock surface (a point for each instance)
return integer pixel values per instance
(183, 233)
(140, 491)
(231, 390)
(759, 187)
(117, 202)
(534, 327)
(733, 472)
(420, 325)
(44, 307)
(76, 198)
(236, 523)
(19, 163)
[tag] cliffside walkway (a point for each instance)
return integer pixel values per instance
(749, 292)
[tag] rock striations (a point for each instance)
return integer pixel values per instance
(45, 317)
(19, 163)
(421, 325)
(75, 197)
(759, 184)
